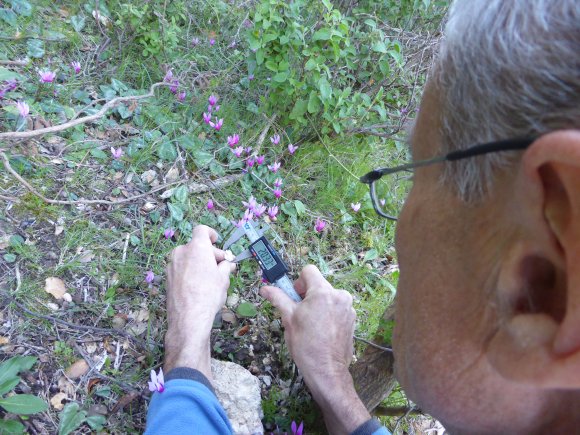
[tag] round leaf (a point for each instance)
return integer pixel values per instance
(246, 309)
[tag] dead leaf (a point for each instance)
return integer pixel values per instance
(55, 286)
(66, 386)
(124, 401)
(4, 241)
(93, 382)
(56, 401)
(242, 331)
(229, 316)
(4, 340)
(86, 256)
(172, 175)
(91, 347)
(77, 369)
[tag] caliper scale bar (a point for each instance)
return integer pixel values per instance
(272, 265)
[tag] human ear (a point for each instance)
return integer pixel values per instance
(537, 340)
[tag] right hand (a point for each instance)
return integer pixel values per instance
(319, 330)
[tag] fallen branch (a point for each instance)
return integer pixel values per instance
(114, 102)
(375, 345)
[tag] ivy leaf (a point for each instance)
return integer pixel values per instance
(35, 48)
(10, 427)
(176, 212)
(167, 151)
(77, 22)
(246, 309)
(70, 418)
(25, 404)
(99, 154)
(300, 207)
(180, 194)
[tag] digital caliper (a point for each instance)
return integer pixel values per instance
(273, 267)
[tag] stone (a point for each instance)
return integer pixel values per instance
(239, 393)
(232, 300)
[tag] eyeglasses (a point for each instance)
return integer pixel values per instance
(389, 186)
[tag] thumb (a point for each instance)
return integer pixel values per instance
(279, 299)
(226, 267)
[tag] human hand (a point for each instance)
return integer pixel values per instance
(319, 334)
(198, 277)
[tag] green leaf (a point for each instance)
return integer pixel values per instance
(271, 65)
(8, 16)
(23, 404)
(16, 240)
(371, 254)
(51, 107)
(300, 207)
(176, 212)
(10, 427)
(289, 208)
(6, 74)
(202, 158)
(134, 240)
(9, 385)
(299, 109)
(15, 365)
(77, 22)
(180, 194)
(167, 151)
(124, 111)
(70, 418)
(323, 34)
(379, 47)
(281, 77)
(9, 258)
(35, 48)
(21, 7)
(96, 422)
(99, 154)
(325, 89)
(314, 103)
(246, 309)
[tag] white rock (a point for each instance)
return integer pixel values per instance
(239, 393)
(232, 300)
(148, 176)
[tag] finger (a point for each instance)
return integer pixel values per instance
(219, 254)
(311, 279)
(226, 267)
(203, 231)
(279, 299)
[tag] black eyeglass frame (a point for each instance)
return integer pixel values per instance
(516, 144)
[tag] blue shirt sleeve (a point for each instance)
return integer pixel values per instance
(186, 406)
(371, 427)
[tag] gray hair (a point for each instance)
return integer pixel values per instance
(506, 69)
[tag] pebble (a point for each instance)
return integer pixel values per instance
(232, 300)
(275, 325)
(266, 379)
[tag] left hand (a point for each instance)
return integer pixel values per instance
(198, 278)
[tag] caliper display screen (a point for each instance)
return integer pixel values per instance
(264, 254)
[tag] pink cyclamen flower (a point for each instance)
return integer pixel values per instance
(355, 207)
(248, 150)
(76, 65)
(169, 233)
(277, 192)
(217, 125)
(23, 108)
(206, 117)
(238, 224)
(174, 86)
(382, 202)
(149, 276)
(260, 160)
(319, 225)
(274, 167)
(212, 100)
(251, 204)
(248, 215)
(250, 162)
(233, 140)
(278, 182)
(272, 212)
(251, 77)
(11, 85)
(168, 78)
(275, 139)
(238, 151)
(211, 41)
(181, 96)
(210, 205)
(194, 42)
(292, 149)
(117, 152)
(47, 76)
(297, 430)
(259, 210)
(217, 108)
(157, 382)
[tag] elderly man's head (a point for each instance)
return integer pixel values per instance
(487, 332)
